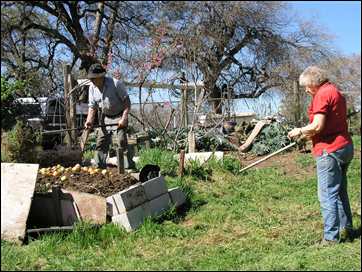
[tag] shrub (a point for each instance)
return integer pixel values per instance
(21, 143)
(9, 108)
(163, 158)
(231, 164)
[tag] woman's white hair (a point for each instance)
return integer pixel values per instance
(313, 76)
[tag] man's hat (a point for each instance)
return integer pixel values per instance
(96, 70)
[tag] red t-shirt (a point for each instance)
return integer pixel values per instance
(329, 101)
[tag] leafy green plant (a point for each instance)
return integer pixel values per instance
(177, 140)
(270, 139)
(163, 158)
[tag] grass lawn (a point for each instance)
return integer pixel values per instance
(263, 219)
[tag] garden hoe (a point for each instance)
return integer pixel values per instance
(85, 134)
(268, 157)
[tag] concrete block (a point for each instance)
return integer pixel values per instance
(177, 196)
(127, 199)
(111, 206)
(158, 205)
(155, 187)
(132, 219)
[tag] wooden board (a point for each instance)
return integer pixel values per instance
(17, 188)
(258, 127)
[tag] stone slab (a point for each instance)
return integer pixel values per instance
(17, 188)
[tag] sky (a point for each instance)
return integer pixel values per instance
(340, 18)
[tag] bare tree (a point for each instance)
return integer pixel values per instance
(238, 44)
(345, 71)
(79, 30)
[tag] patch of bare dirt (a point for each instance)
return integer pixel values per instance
(286, 162)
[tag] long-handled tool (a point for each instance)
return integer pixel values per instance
(85, 134)
(78, 128)
(269, 156)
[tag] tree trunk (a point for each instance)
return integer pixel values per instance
(217, 102)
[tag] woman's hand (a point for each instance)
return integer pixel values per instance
(294, 133)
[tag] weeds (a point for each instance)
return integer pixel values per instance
(163, 158)
(198, 170)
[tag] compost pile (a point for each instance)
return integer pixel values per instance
(102, 182)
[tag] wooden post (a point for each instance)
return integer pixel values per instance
(181, 167)
(120, 161)
(72, 111)
(191, 141)
(66, 72)
(229, 101)
(184, 117)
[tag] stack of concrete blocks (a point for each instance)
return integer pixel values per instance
(130, 207)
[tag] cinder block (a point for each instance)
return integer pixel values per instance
(158, 205)
(155, 187)
(111, 206)
(177, 196)
(127, 199)
(132, 219)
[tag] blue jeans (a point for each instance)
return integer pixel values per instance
(332, 191)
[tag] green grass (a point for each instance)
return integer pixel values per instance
(305, 160)
(261, 219)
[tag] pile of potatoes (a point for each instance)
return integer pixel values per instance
(65, 173)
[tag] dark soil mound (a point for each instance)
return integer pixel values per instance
(98, 184)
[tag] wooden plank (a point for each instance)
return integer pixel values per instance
(258, 127)
(17, 188)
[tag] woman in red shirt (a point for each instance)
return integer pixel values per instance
(333, 150)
